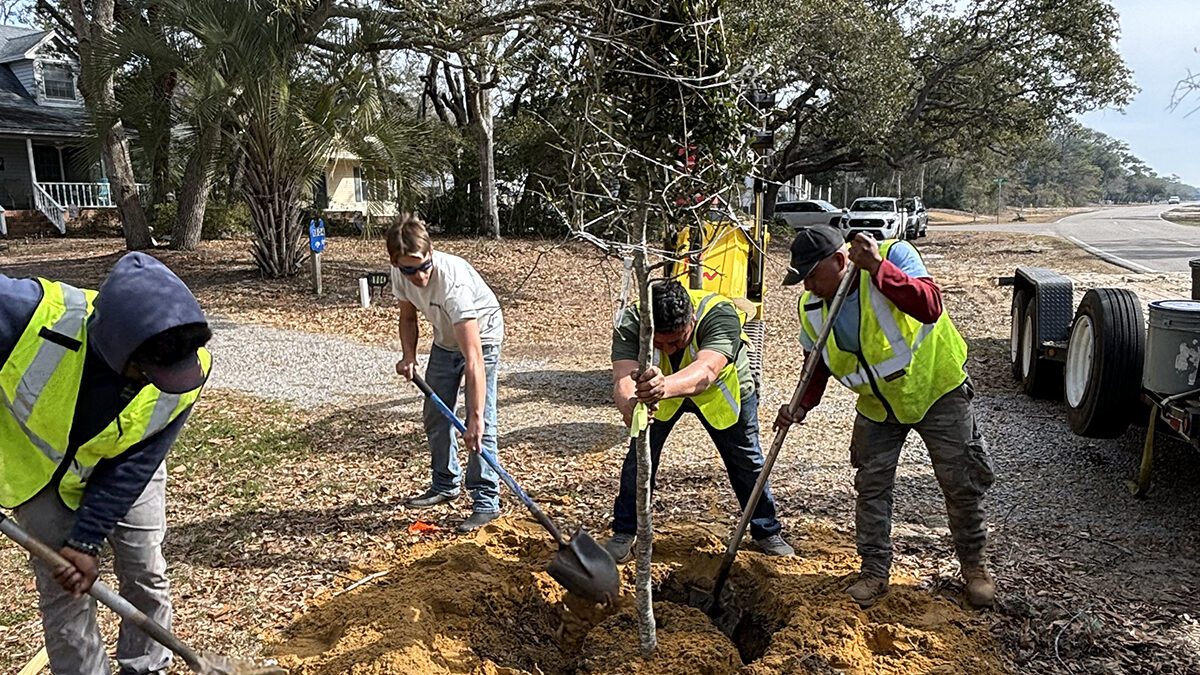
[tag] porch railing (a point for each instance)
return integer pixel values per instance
(85, 195)
(53, 210)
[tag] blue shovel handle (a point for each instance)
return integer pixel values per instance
(489, 458)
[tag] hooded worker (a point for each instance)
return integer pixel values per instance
(96, 386)
(893, 344)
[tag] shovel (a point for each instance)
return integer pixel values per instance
(709, 601)
(581, 565)
(206, 664)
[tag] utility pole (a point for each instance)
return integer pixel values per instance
(845, 189)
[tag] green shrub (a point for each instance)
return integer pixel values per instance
(225, 221)
(221, 221)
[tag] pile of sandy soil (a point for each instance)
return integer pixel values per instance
(485, 605)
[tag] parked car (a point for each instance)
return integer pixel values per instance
(917, 218)
(1173, 199)
(808, 212)
(877, 216)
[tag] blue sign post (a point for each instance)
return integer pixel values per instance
(316, 244)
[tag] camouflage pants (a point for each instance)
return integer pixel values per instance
(960, 463)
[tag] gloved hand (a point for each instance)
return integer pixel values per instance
(786, 419)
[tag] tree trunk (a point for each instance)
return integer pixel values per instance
(770, 194)
(160, 178)
(486, 145)
(274, 201)
(124, 188)
(193, 193)
(101, 100)
(647, 635)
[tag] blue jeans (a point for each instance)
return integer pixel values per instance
(444, 375)
(740, 451)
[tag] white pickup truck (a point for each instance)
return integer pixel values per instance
(879, 217)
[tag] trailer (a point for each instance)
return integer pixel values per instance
(1108, 365)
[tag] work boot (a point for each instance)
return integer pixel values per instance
(868, 590)
(774, 545)
(431, 497)
(477, 520)
(620, 547)
(981, 588)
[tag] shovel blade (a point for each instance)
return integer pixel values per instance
(584, 568)
(219, 664)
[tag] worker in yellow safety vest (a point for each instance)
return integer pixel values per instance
(894, 345)
(96, 386)
(703, 368)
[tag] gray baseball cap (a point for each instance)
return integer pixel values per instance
(811, 246)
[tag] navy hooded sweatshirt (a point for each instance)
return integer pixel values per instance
(139, 299)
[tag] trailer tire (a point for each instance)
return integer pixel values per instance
(1019, 300)
(1040, 377)
(1103, 377)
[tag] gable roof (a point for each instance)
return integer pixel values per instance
(16, 42)
(20, 114)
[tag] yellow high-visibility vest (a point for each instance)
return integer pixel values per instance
(39, 387)
(902, 365)
(721, 403)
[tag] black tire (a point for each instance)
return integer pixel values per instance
(1103, 378)
(1040, 377)
(1017, 319)
(836, 223)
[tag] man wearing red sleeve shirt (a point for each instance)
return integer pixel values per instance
(894, 346)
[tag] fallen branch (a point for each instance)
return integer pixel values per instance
(360, 582)
(1062, 630)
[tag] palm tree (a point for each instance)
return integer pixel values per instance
(246, 72)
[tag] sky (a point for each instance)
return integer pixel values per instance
(1158, 41)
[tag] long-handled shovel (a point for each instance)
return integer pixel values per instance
(581, 565)
(709, 601)
(205, 664)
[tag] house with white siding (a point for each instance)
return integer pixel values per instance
(344, 188)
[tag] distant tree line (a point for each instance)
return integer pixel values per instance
(1070, 165)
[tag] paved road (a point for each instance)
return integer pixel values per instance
(1134, 237)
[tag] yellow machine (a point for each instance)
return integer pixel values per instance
(726, 257)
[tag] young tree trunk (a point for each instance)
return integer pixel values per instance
(193, 193)
(647, 636)
(100, 97)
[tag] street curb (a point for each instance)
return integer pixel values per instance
(1108, 257)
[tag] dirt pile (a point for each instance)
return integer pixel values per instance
(487, 606)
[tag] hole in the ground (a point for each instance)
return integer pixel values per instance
(739, 614)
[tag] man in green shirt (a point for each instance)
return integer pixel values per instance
(702, 367)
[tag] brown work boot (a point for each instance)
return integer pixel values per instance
(981, 588)
(868, 590)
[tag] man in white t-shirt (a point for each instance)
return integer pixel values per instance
(468, 328)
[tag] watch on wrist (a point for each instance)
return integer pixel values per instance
(90, 549)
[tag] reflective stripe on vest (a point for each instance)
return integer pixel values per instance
(39, 386)
(722, 412)
(882, 311)
(910, 378)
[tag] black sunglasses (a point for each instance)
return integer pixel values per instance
(409, 271)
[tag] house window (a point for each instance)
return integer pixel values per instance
(360, 185)
(59, 82)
